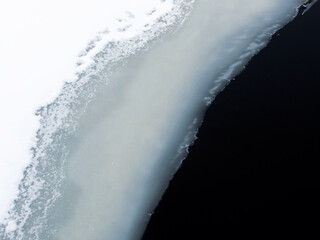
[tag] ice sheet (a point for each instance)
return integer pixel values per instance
(109, 144)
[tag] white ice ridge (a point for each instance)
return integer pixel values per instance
(111, 141)
(308, 4)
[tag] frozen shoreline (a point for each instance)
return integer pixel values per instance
(144, 140)
(140, 138)
(255, 159)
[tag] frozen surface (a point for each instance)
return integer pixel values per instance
(108, 145)
(43, 45)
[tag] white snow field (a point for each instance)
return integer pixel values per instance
(106, 146)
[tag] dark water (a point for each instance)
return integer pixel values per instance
(256, 161)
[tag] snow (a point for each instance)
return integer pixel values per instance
(40, 45)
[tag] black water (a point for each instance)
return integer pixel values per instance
(256, 161)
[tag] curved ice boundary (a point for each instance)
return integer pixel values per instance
(111, 141)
